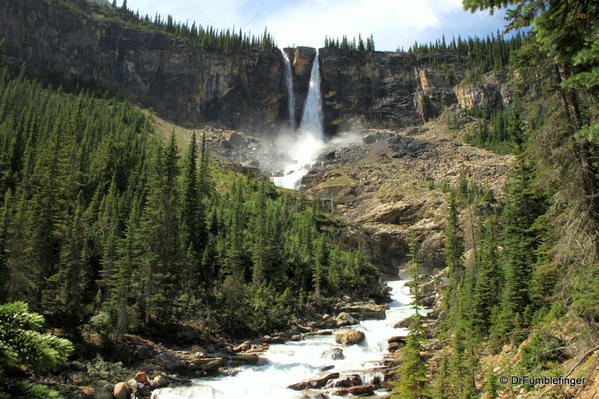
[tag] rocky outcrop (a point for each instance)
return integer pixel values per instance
(491, 91)
(179, 81)
(392, 185)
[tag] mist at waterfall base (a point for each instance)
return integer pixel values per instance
(299, 360)
(298, 150)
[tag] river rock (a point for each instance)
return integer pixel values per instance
(366, 310)
(133, 386)
(243, 346)
(351, 380)
(349, 337)
(345, 319)
(141, 377)
(103, 393)
(397, 338)
(207, 364)
(243, 359)
(169, 360)
(360, 390)
(315, 395)
(405, 323)
(121, 390)
(159, 381)
(395, 346)
(334, 354)
(313, 383)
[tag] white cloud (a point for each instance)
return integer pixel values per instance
(393, 23)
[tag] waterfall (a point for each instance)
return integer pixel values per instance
(312, 116)
(290, 94)
(302, 150)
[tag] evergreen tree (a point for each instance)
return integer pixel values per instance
(25, 346)
(261, 247)
(454, 242)
(413, 382)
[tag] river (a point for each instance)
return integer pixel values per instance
(296, 361)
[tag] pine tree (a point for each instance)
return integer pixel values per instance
(524, 206)
(486, 290)
(160, 230)
(24, 345)
(5, 217)
(412, 381)
(127, 263)
(72, 275)
(260, 254)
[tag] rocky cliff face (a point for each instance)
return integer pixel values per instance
(378, 89)
(243, 89)
(183, 83)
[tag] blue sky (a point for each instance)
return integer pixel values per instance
(393, 23)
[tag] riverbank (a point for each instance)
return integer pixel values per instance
(317, 364)
(140, 365)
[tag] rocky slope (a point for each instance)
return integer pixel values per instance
(392, 185)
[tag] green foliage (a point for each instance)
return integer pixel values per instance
(480, 55)
(24, 345)
(351, 46)
(102, 224)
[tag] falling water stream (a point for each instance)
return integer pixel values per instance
(299, 360)
(309, 141)
(290, 93)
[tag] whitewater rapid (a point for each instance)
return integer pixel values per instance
(300, 360)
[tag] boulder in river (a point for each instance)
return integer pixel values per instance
(345, 319)
(349, 337)
(360, 390)
(313, 383)
(334, 354)
(315, 395)
(366, 310)
(351, 380)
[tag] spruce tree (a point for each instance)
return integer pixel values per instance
(260, 254)
(25, 346)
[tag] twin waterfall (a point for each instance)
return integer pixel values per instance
(308, 142)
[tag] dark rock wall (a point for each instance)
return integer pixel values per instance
(383, 89)
(183, 83)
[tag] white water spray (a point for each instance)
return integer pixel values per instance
(290, 94)
(295, 361)
(303, 149)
